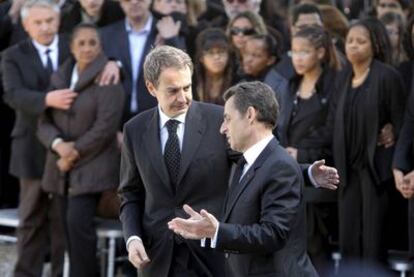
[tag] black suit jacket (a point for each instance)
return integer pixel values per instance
(120, 51)
(262, 229)
(148, 201)
(25, 86)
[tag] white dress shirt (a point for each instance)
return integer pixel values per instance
(164, 137)
(137, 40)
(53, 54)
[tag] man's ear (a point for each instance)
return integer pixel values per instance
(151, 88)
(251, 114)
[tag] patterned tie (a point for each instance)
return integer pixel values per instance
(49, 65)
(172, 154)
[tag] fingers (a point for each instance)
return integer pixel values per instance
(319, 163)
(137, 254)
(190, 211)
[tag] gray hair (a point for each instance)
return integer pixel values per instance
(164, 57)
(257, 95)
(24, 12)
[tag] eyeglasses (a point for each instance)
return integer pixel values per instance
(238, 1)
(242, 31)
(388, 5)
(300, 54)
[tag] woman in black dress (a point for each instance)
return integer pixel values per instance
(369, 96)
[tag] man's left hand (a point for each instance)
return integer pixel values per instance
(198, 226)
(325, 176)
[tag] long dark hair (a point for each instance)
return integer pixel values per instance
(381, 46)
(208, 39)
(320, 38)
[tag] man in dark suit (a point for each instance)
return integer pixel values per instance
(172, 154)
(262, 227)
(129, 41)
(26, 70)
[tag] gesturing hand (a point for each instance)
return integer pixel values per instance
(198, 226)
(325, 176)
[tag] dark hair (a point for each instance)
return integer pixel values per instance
(305, 8)
(82, 26)
(257, 95)
(255, 19)
(320, 38)
(381, 47)
(270, 44)
(408, 38)
(208, 39)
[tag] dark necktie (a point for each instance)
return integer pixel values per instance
(172, 154)
(49, 65)
(235, 181)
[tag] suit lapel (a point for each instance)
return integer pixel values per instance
(235, 193)
(153, 146)
(36, 61)
(194, 129)
(123, 42)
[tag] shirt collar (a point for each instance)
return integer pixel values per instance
(145, 30)
(164, 118)
(42, 48)
(254, 151)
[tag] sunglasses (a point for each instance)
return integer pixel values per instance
(242, 31)
(238, 1)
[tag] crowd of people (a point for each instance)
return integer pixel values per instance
(107, 96)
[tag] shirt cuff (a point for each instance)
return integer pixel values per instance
(55, 142)
(203, 242)
(213, 242)
(312, 180)
(131, 238)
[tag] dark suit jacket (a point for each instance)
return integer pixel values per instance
(116, 32)
(25, 85)
(384, 103)
(148, 200)
(262, 229)
(91, 123)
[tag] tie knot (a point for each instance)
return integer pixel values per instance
(172, 125)
(241, 162)
(47, 52)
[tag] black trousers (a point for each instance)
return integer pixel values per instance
(40, 216)
(81, 234)
(362, 209)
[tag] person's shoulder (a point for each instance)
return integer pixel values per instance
(140, 120)
(17, 50)
(113, 27)
(385, 70)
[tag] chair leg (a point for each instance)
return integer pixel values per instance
(66, 265)
(111, 257)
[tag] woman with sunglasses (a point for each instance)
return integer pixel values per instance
(243, 26)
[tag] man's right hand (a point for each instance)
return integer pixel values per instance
(137, 254)
(60, 99)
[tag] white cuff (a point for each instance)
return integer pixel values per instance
(203, 242)
(313, 181)
(213, 242)
(55, 142)
(131, 238)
